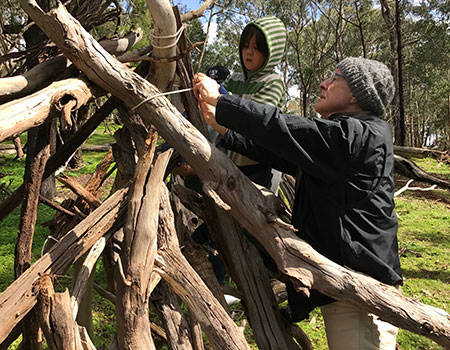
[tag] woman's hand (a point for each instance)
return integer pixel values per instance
(206, 89)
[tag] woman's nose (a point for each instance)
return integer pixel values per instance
(324, 84)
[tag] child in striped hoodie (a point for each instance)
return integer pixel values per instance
(261, 49)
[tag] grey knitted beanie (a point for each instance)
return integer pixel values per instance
(370, 81)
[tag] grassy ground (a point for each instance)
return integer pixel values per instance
(424, 240)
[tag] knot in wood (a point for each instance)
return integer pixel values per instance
(231, 183)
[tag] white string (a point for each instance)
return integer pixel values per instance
(158, 95)
(45, 243)
(177, 35)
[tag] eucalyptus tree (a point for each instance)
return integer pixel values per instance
(427, 73)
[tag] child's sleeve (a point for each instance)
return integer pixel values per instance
(273, 93)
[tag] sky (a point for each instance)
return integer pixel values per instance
(194, 5)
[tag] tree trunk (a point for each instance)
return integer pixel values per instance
(137, 256)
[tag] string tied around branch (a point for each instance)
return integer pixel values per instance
(177, 37)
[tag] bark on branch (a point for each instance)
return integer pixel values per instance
(222, 181)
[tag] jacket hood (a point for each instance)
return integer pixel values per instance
(275, 34)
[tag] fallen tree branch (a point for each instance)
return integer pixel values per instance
(20, 115)
(55, 318)
(77, 188)
(419, 152)
(222, 180)
(84, 273)
(47, 71)
(410, 169)
(406, 187)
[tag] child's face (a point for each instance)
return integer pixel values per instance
(253, 58)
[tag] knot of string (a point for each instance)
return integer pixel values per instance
(177, 37)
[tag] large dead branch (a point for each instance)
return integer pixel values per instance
(137, 257)
(189, 16)
(23, 114)
(18, 299)
(218, 326)
(47, 71)
(63, 154)
(60, 329)
(414, 152)
(410, 169)
(164, 40)
(223, 182)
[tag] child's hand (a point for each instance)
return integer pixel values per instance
(206, 89)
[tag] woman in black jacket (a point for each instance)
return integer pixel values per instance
(343, 164)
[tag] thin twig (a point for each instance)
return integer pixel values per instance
(206, 39)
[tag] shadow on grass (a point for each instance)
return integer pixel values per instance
(441, 275)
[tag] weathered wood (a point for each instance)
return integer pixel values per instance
(164, 41)
(10, 148)
(55, 206)
(18, 299)
(33, 180)
(47, 71)
(77, 188)
(55, 317)
(197, 335)
(140, 237)
(18, 148)
(415, 152)
(231, 189)
(251, 276)
(176, 326)
(197, 257)
(189, 16)
(20, 115)
(39, 154)
(85, 271)
(63, 154)
(218, 326)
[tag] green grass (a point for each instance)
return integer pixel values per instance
(424, 229)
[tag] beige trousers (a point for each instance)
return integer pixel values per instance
(350, 328)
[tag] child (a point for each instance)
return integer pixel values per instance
(261, 48)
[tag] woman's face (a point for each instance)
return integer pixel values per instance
(252, 57)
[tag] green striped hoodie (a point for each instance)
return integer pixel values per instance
(263, 86)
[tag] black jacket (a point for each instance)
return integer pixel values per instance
(343, 166)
